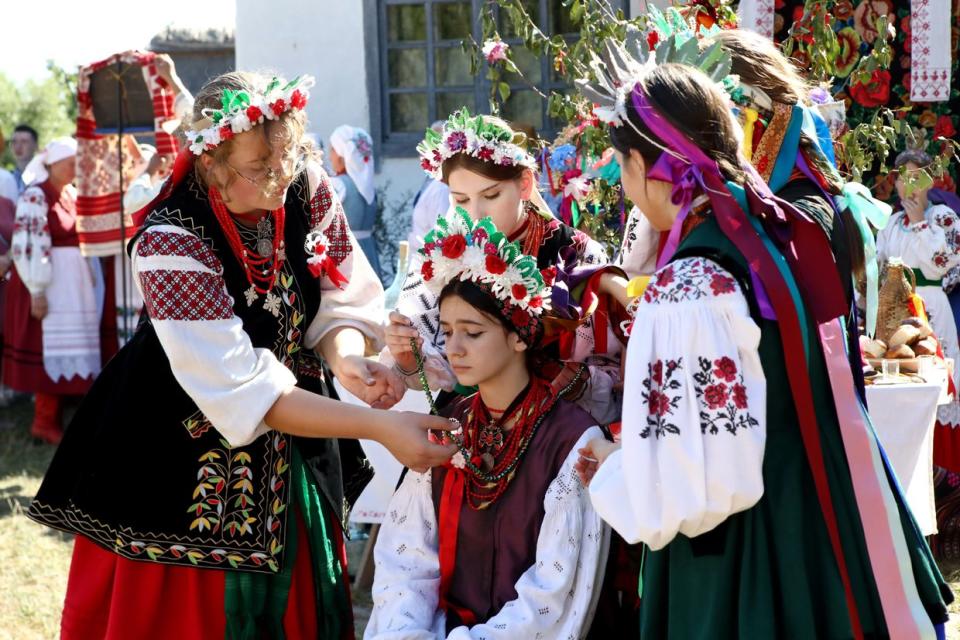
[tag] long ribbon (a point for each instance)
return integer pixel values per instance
(451, 504)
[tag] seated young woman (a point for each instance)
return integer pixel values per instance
(502, 542)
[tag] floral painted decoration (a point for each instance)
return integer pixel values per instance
(475, 136)
(241, 111)
(459, 248)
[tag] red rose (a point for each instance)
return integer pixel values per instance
(519, 318)
(665, 277)
(454, 246)
(725, 369)
(298, 100)
(657, 372)
(874, 93)
(254, 114)
(225, 133)
(658, 404)
(721, 284)
(278, 107)
(652, 39)
(549, 275)
(485, 154)
(945, 128)
(427, 270)
(495, 265)
(740, 396)
(519, 291)
(535, 302)
(426, 165)
(716, 396)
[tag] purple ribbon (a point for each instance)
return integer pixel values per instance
(689, 174)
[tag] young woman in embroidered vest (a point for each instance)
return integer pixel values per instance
(53, 323)
(747, 465)
(203, 473)
(490, 173)
(502, 542)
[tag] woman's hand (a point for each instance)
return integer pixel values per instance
(398, 334)
(370, 381)
(914, 208)
(405, 435)
(592, 456)
(38, 306)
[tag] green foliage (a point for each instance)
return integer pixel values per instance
(48, 105)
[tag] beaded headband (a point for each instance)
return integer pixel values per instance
(242, 110)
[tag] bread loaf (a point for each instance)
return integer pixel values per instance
(901, 352)
(872, 348)
(904, 335)
(926, 347)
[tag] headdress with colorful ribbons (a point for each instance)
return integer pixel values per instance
(242, 110)
(475, 136)
(459, 248)
(795, 280)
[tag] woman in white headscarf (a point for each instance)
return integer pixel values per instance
(54, 302)
(351, 158)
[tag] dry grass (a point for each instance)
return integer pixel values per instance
(33, 574)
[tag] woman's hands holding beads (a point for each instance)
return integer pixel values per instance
(399, 332)
(405, 435)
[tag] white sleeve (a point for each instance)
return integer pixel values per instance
(406, 583)
(434, 203)
(31, 244)
(947, 223)
(638, 253)
(694, 410)
(359, 304)
(930, 250)
(8, 186)
(556, 597)
(211, 356)
(140, 193)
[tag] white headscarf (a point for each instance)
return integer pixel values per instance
(55, 151)
(355, 146)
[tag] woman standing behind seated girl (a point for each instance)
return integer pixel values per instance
(502, 542)
(351, 158)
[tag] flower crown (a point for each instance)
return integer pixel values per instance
(241, 111)
(475, 136)
(669, 39)
(459, 248)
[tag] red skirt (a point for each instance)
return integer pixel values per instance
(113, 598)
(23, 348)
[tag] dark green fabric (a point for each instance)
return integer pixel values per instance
(770, 572)
(255, 603)
(924, 281)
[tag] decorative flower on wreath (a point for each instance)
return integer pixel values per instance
(319, 261)
(241, 111)
(459, 248)
(474, 136)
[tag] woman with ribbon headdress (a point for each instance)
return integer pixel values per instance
(490, 173)
(748, 466)
(208, 471)
(55, 298)
(351, 158)
(501, 542)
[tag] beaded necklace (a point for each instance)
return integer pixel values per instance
(261, 271)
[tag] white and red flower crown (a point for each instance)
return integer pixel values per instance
(459, 248)
(241, 111)
(475, 136)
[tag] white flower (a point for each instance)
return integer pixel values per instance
(577, 187)
(495, 51)
(458, 460)
(240, 122)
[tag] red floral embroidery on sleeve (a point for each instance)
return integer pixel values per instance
(660, 392)
(690, 279)
(723, 397)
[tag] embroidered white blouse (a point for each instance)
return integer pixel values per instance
(211, 356)
(556, 597)
(694, 410)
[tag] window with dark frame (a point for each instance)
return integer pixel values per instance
(423, 74)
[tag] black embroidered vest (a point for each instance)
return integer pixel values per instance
(142, 472)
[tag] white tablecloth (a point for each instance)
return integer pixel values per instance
(904, 416)
(371, 506)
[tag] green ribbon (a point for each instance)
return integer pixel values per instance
(867, 212)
